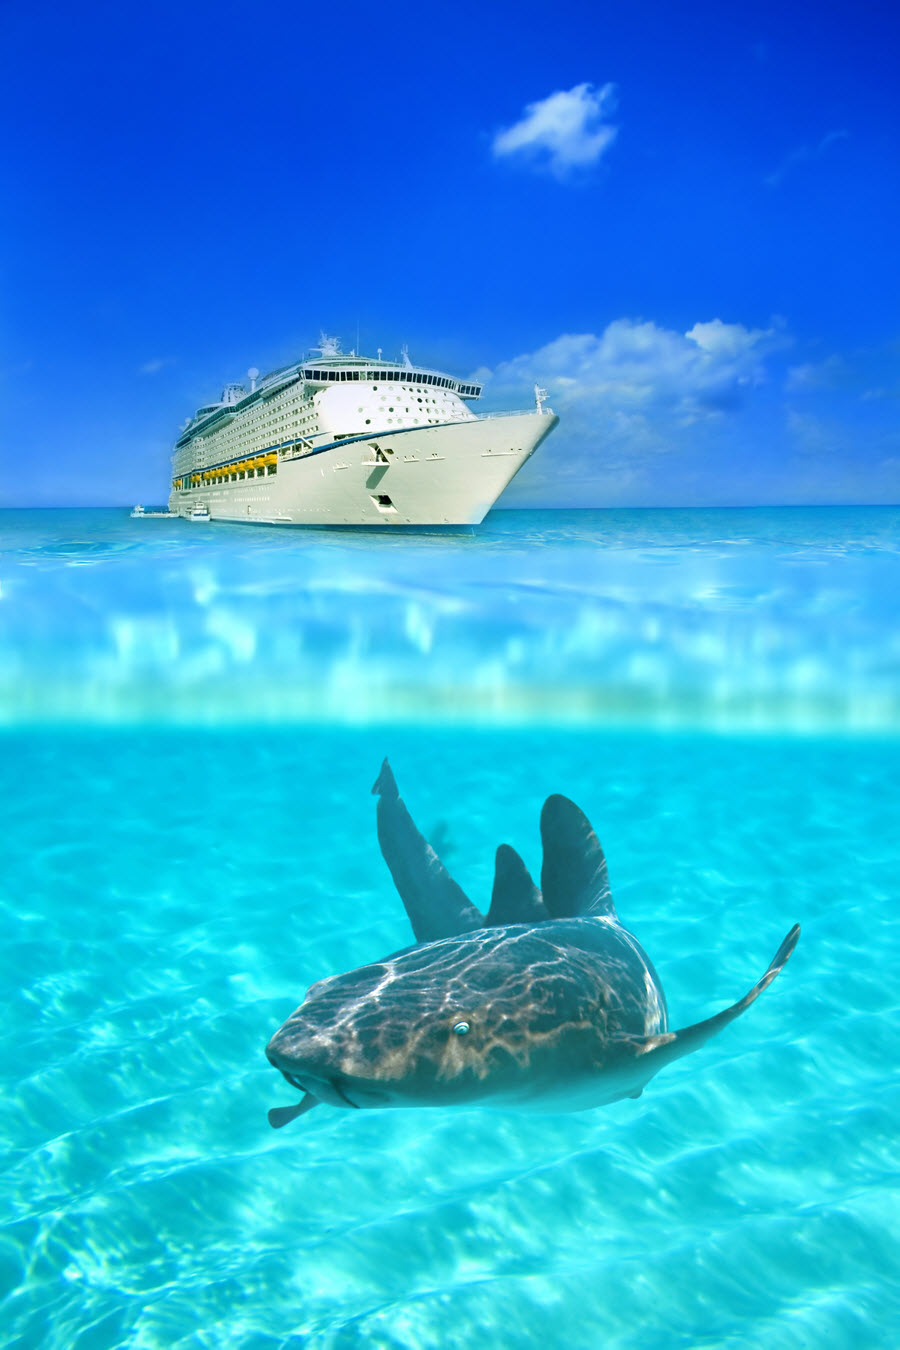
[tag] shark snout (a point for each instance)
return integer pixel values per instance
(305, 1066)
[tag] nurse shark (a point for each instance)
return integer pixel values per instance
(546, 1003)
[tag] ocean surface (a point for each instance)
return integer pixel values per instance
(191, 719)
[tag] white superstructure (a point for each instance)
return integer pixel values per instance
(351, 440)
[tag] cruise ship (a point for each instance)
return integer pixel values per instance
(343, 439)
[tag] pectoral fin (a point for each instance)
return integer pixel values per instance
(436, 906)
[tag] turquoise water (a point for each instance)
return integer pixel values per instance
(193, 718)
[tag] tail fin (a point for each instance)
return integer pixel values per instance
(672, 1045)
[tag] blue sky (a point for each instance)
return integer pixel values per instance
(683, 221)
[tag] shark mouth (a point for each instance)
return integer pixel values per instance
(315, 1090)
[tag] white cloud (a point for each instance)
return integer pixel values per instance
(653, 416)
(156, 365)
(805, 154)
(726, 341)
(825, 374)
(811, 434)
(635, 366)
(633, 399)
(565, 131)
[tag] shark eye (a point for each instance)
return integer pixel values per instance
(461, 1028)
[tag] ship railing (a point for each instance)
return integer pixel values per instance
(515, 412)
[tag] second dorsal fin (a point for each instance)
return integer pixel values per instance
(436, 905)
(573, 875)
(515, 898)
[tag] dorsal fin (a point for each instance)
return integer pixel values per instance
(573, 874)
(436, 906)
(662, 1050)
(515, 897)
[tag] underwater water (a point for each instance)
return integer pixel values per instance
(192, 719)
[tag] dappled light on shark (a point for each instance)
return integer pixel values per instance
(545, 1003)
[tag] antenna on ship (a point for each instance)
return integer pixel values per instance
(253, 376)
(540, 397)
(404, 356)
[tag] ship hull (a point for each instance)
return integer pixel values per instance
(450, 474)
